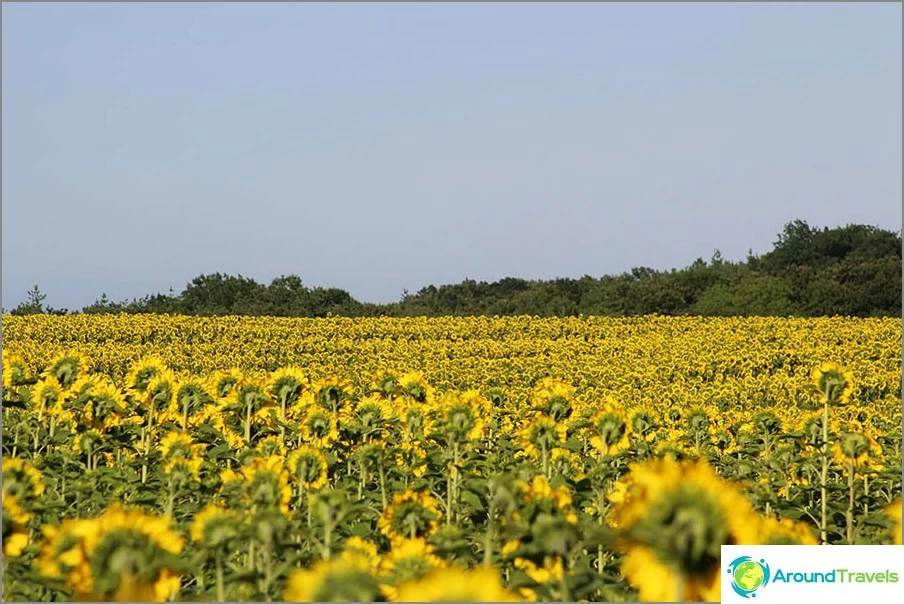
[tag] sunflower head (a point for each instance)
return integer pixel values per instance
(411, 515)
(331, 394)
(371, 414)
(362, 553)
(176, 444)
(15, 535)
(541, 434)
(191, 400)
(456, 585)
(319, 427)
(249, 395)
(343, 579)
(461, 418)
(267, 483)
(21, 480)
(15, 370)
(834, 382)
(407, 559)
(683, 513)
(286, 385)
(787, 532)
(143, 371)
(412, 457)
(222, 383)
(65, 368)
(553, 398)
(125, 555)
(609, 429)
(642, 424)
(47, 395)
(387, 385)
(857, 450)
(308, 466)
(161, 390)
(416, 388)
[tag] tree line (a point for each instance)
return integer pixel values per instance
(854, 270)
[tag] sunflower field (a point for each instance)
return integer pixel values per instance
(154, 458)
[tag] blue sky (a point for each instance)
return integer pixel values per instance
(381, 147)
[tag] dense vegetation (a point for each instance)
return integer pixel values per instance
(853, 270)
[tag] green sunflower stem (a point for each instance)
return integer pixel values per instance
(544, 459)
(282, 419)
(327, 532)
(383, 485)
(248, 422)
(825, 471)
(221, 583)
(489, 537)
(849, 514)
(171, 497)
(865, 495)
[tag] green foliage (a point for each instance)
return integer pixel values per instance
(854, 270)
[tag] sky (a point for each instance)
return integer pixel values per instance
(379, 148)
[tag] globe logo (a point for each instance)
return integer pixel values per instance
(748, 575)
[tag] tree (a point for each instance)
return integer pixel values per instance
(34, 305)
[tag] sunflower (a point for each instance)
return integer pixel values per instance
(142, 372)
(267, 483)
(552, 569)
(408, 559)
(331, 394)
(65, 368)
(63, 556)
(858, 451)
(160, 394)
(47, 397)
(609, 429)
(15, 534)
(371, 414)
(308, 466)
(412, 458)
(539, 490)
(415, 388)
(411, 514)
(21, 479)
(344, 579)
(124, 555)
(102, 404)
(539, 436)
(286, 385)
(221, 383)
(416, 422)
(192, 404)
(361, 552)
(456, 585)
(461, 417)
(387, 385)
(215, 526)
(554, 398)
(673, 519)
(177, 444)
(786, 532)
(319, 428)
(15, 371)
(834, 382)
(642, 424)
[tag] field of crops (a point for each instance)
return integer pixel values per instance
(469, 459)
